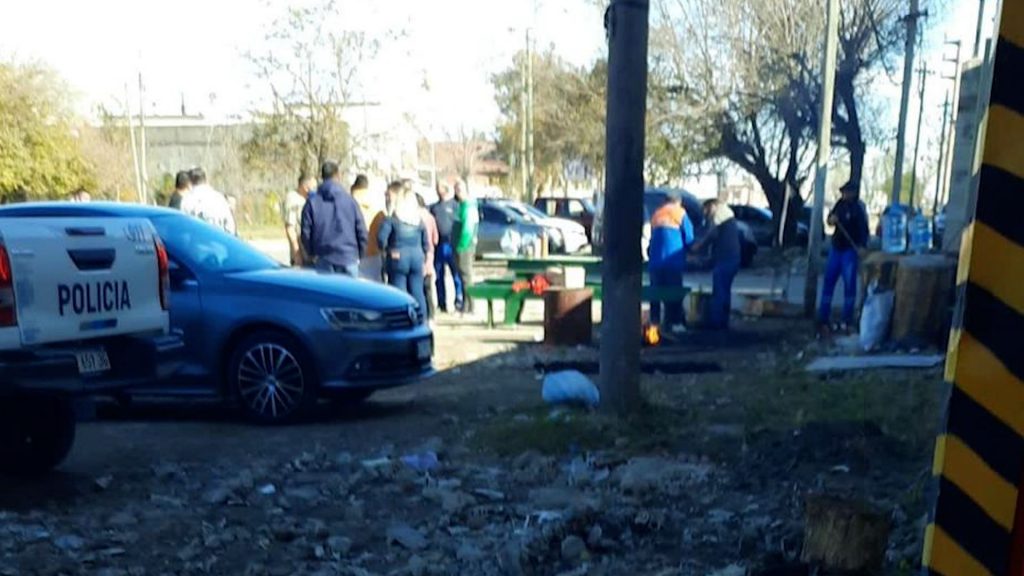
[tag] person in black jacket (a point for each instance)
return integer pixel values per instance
(850, 218)
(404, 241)
(444, 213)
(333, 231)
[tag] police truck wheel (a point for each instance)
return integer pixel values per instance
(272, 378)
(36, 434)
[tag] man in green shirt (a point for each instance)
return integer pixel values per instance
(464, 232)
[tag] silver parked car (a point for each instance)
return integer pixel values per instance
(270, 338)
(505, 231)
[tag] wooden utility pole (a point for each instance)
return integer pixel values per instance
(917, 138)
(828, 71)
(908, 78)
(626, 23)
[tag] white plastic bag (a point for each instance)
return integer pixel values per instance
(875, 317)
(570, 387)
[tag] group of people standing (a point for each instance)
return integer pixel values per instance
(395, 239)
(672, 237)
(194, 196)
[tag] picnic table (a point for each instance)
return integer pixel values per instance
(523, 267)
(501, 289)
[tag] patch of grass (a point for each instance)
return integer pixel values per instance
(551, 432)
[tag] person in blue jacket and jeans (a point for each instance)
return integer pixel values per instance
(671, 234)
(850, 218)
(332, 229)
(404, 241)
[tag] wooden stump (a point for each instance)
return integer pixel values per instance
(924, 299)
(844, 536)
(568, 318)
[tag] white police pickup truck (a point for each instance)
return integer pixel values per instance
(83, 312)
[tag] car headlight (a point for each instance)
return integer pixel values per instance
(354, 319)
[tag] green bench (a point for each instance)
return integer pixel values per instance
(491, 290)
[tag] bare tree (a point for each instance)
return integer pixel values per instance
(310, 65)
(739, 79)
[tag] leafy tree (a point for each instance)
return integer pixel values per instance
(40, 151)
(568, 117)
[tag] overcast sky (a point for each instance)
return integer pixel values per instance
(194, 48)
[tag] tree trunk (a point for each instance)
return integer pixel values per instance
(843, 536)
(850, 129)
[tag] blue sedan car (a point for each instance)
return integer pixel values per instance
(270, 338)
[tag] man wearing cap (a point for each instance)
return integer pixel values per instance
(850, 218)
(671, 234)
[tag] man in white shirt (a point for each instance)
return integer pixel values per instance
(207, 204)
(291, 212)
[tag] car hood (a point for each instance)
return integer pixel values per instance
(347, 291)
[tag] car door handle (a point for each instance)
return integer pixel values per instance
(93, 258)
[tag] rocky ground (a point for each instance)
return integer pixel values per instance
(471, 474)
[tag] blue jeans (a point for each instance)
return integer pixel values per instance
(841, 263)
(346, 269)
(667, 278)
(406, 274)
(721, 294)
(444, 256)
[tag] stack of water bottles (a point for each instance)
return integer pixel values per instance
(897, 225)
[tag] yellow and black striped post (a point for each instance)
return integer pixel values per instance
(980, 456)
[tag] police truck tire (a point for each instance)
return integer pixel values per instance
(36, 434)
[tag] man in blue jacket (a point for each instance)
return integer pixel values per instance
(333, 230)
(671, 233)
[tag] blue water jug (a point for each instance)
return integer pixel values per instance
(920, 234)
(894, 229)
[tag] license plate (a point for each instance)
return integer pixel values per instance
(92, 361)
(424, 349)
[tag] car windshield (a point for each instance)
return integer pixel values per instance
(530, 212)
(208, 248)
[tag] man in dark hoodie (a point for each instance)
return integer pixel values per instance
(333, 230)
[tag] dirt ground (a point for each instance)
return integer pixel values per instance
(709, 479)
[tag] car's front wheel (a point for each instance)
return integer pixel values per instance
(272, 378)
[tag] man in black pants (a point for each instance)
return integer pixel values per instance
(444, 212)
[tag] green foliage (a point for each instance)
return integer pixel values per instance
(40, 152)
(568, 117)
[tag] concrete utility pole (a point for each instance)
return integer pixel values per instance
(626, 24)
(977, 30)
(947, 160)
(940, 169)
(144, 191)
(908, 78)
(523, 112)
(917, 138)
(828, 72)
(529, 116)
(131, 138)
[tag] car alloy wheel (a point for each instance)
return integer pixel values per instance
(271, 378)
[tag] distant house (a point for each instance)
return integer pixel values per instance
(475, 161)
